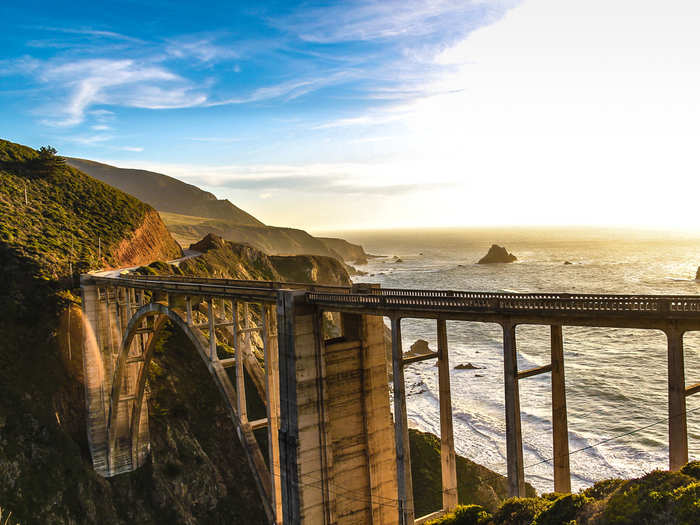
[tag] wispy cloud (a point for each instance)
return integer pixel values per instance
(130, 83)
(216, 140)
(201, 48)
(322, 179)
(91, 32)
(367, 20)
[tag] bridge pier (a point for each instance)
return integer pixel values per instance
(338, 463)
(514, 439)
(677, 419)
(447, 442)
(560, 428)
(403, 450)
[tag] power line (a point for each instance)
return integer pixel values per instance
(496, 477)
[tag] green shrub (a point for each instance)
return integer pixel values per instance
(692, 469)
(602, 489)
(471, 515)
(686, 504)
(464, 515)
(563, 510)
(647, 500)
(519, 511)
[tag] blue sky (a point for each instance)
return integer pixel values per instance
(358, 114)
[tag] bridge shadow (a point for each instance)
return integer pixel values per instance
(193, 440)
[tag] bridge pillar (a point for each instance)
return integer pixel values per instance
(337, 457)
(560, 429)
(95, 376)
(677, 420)
(403, 451)
(447, 442)
(514, 440)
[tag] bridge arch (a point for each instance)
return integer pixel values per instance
(162, 314)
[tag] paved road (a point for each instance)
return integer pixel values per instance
(188, 254)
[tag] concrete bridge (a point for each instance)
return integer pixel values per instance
(335, 453)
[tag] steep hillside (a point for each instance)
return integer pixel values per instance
(54, 216)
(351, 253)
(225, 259)
(165, 193)
(270, 239)
(191, 213)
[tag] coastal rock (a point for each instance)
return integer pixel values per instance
(469, 366)
(420, 347)
(398, 260)
(697, 274)
(566, 263)
(497, 254)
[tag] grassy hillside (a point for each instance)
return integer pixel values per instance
(67, 217)
(165, 193)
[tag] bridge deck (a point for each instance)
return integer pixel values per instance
(624, 311)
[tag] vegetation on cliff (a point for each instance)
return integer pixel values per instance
(660, 497)
(52, 215)
(475, 484)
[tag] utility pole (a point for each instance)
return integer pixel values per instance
(99, 249)
(26, 201)
(70, 257)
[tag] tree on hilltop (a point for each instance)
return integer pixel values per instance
(48, 160)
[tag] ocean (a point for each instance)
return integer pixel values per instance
(615, 378)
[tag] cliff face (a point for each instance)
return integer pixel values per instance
(225, 259)
(150, 238)
(351, 253)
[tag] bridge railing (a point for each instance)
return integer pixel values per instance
(269, 285)
(505, 303)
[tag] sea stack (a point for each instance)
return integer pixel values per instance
(497, 254)
(697, 274)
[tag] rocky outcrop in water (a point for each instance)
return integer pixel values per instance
(468, 366)
(420, 347)
(697, 274)
(497, 254)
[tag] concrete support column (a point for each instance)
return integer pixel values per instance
(403, 451)
(560, 429)
(303, 455)
(677, 423)
(271, 353)
(379, 425)
(188, 306)
(240, 373)
(212, 330)
(447, 443)
(94, 373)
(514, 440)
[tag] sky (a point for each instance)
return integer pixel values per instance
(375, 114)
